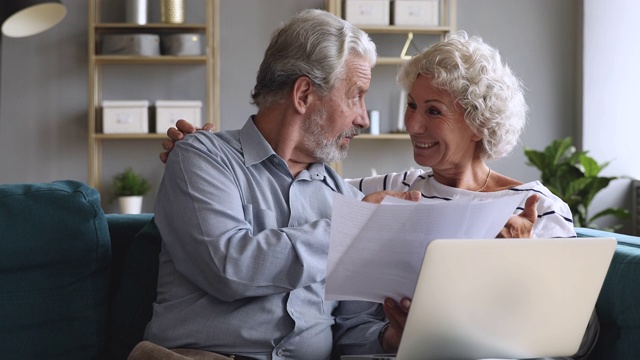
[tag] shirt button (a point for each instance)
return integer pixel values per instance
(280, 352)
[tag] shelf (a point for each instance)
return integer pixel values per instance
(393, 29)
(389, 136)
(386, 60)
(104, 28)
(146, 136)
(161, 59)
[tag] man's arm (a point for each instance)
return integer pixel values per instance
(358, 324)
(201, 217)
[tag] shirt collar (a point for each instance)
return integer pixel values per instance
(256, 149)
(254, 146)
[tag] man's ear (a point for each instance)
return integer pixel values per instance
(302, 94)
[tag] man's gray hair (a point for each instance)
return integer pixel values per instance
(313, 43)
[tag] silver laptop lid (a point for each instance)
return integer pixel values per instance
(504, 298)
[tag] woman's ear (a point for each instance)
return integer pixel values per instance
(302, 94)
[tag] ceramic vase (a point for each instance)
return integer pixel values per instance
(172, 11)
(130, 204)
(137, 11)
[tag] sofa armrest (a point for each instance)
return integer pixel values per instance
(628, 240)
(54, 271)
(618, 305)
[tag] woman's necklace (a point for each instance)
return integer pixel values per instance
(486, 181)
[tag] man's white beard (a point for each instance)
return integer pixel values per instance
(325, 150)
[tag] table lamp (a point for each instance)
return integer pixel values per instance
(21, 18)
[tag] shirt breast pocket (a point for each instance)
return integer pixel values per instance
(260, 219)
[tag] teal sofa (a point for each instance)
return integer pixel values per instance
(76, 283)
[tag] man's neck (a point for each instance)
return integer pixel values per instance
(282, 131)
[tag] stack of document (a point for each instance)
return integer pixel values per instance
(376, 250)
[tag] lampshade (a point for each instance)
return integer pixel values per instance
(20, 18)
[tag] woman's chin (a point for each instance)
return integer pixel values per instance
(422, 160)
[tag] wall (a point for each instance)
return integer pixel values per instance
(44, 87)
(611, 76)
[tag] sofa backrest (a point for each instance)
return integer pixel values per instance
(54, 271)
(134, 280)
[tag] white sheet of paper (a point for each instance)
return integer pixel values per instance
(376, 250)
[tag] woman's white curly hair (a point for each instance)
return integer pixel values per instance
(491, 95)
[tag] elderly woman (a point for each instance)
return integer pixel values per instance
(464, 106)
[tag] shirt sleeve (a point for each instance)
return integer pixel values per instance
(201, 218)
(554, 216)
(393, 181)
(358, 324)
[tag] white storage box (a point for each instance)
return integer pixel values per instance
(367, 12)
(122, 117)
(180, 44)
(168, 112)
(131, 44)
(416, 12)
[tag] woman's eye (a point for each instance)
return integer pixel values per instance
(433, 111)
(411, 106)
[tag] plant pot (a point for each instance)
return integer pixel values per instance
(130, 204)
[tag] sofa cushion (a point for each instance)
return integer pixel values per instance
(132, 307)
(54, 271)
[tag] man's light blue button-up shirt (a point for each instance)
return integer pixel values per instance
(244, 252)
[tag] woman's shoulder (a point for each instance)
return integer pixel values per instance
(548, 200)
(537, 187)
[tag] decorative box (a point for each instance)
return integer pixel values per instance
(121, 117)
(131, 44)
(367, 12)
(416, 12)
(168, 112)
(180, 44)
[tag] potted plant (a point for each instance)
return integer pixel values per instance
(573, 177)
(129, 188)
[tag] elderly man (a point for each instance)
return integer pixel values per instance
(245, 215)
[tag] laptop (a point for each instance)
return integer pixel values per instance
(503, 298)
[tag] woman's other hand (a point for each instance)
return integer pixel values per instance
(521, 226)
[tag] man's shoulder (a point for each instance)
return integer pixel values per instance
(217, 140)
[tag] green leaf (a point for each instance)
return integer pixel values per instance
(617, 212)
(589, 166)
(572, 176)
(129, 183)
(561, 150)
(536, 158)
